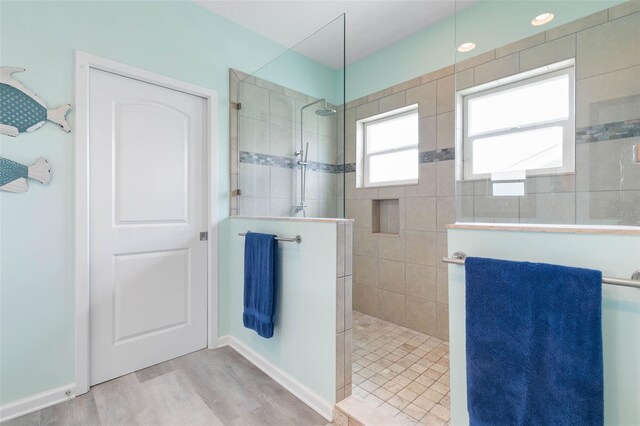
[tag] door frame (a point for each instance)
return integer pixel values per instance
(84, 62)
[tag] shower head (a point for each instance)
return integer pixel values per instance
(325, 112)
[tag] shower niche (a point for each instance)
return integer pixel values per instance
(287, 137)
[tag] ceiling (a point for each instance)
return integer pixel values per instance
(371, 26)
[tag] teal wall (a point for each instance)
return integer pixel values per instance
(489, 24)
(175, 39)
(304, 342)
(615, 255)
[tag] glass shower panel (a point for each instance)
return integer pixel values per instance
(547, 114)
(290, 140)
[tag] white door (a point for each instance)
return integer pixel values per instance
(148, 206)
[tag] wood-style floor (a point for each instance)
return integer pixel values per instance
(208, 387)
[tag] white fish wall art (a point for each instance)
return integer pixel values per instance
(13, 176)
(21, 110)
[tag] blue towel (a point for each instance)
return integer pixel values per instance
(260, 282)
(534, 344)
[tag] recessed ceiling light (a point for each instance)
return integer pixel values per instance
(543, 18)
(466, 47)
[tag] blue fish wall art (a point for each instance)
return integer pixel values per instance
(21, 110)
(13, 176)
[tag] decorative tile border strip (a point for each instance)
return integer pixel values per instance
(609, 131)
(437, 155)
(286, 162)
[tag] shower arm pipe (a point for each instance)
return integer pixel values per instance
(458, 258)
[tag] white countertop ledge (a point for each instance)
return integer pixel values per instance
(293, 219)
(573, 229)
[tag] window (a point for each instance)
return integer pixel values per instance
(390, 147)
(524, 126)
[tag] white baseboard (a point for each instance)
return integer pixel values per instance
(300, 391)
(36, 402)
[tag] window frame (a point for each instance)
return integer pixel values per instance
(366, 156)
(518, 80)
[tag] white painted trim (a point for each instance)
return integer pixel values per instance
(84, 62)
(300, 391)
(36, 402)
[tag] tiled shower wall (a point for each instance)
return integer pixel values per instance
(265, 133)
(605, 189)
(400, 278)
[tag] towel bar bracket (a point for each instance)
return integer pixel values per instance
(458, 258)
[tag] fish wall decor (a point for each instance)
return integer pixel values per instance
(13, 176)
(21, 110)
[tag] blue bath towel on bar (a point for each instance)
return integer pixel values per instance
(534, 344)
(260, 282)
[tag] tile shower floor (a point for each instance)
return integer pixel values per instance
(403, 372)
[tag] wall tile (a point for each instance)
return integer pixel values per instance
(253, 206)
(446, 212)
(348, 261)
(464, 79)
(442, 284)
(548, 208)
(282, 110)
(445, 94)
(340, 249)
(254, 180)
(365, 299)
(421, 214)
(428, 135)
(421, 247)
(363, 214)
(367, 110)
(608, 208)
(281, 182)
(280, 140)
(421, 281)
(435, 75)
(505, 66)
(348, 303)
(348, 344)
(366, 193)
(519, 45)
(607, 98)
(464, 208)
(624, 9)
(609, 47)
(446, 130)
(474, 61)
(541, 184)
(487, 208)
(350, 186)
(280, 206)
(391, 275)
(364, 243)
(401, 87)
(441, 249)
(340, 361)
(577, 25)
(380, 94)
(426, 182)
(391, 102)
(392, 247)
(607, 165)
(393, 308)
(446, 180)
(366, 270)
(254, 100)
(548, 53)
(340, 305)
(442, 318)
(254, 135)
(425, 96)
(421, 315)
(388, 192)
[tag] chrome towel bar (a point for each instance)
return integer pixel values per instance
(296, 239)
(458, 258)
